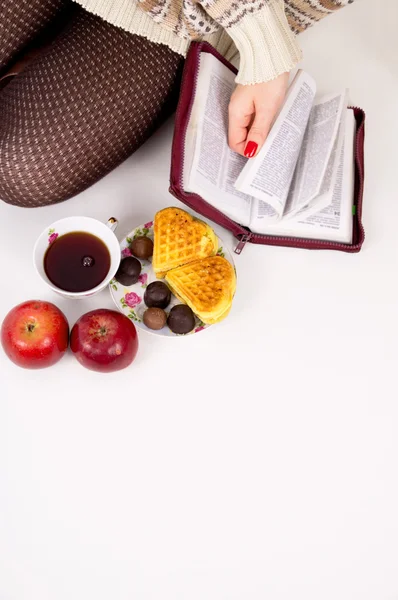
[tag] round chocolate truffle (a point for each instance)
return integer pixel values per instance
(129, 270)
(155, 318)
(157, 295)
(181, 319)
(88, 261)
(142, 247)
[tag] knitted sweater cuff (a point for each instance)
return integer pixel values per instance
(266, 44)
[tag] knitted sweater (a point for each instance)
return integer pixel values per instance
(255, 33)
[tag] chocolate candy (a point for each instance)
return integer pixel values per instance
(129, 270)
(157, 295)
(155, 318)
(181, 319)
(142, 247)
(88, 261)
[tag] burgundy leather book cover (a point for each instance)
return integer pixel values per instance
(198, 204)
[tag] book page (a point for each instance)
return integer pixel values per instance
(334, 222)
(268, 177)
(210, 167)
(315, 175)
(325, 198)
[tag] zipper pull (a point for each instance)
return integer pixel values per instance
(242, 243)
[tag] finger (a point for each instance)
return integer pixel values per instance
(237, 132)
(240, 118)
(258, 132)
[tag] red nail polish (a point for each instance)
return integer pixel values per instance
(251, 149)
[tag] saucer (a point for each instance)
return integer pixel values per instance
(130, 299)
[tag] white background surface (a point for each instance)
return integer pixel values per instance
(255, 460)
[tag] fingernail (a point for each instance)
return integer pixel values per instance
(251, 149)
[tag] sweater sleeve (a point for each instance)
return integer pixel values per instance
(266, 44)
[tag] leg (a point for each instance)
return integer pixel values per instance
(80, 109)
(302, 14)
(20, 22)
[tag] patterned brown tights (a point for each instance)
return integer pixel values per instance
(86, 102)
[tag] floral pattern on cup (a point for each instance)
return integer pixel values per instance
(52, 236)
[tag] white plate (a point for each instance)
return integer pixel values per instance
(130, 299)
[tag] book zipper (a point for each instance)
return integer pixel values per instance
(242, 242)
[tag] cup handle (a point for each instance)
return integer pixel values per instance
(112, 223)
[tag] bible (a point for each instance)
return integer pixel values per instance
(303, 183)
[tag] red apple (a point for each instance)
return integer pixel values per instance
(104, 340)
(35, 334)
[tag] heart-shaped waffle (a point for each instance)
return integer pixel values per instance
(206, 285)
(180, 239)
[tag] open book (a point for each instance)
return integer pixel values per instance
(301, 184)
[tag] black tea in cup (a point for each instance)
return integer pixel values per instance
(77, 261)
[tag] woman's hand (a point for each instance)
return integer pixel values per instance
(252, 111)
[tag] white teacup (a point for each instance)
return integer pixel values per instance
(104, 231)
